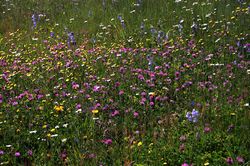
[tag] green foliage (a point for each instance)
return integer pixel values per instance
(124, 93)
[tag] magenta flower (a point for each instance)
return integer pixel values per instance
(75, 85)
(115, 113)
(151, 103)
(229, 160)
(17, 154)
(184, 164)
(107, 141)
(136, 114)
(96, 88)
(30, 153)
(1, 98)
(63, 155)
(240, 159)
(207, 129)
(92, 155)
(121, 92)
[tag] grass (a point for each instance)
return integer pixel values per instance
(121, 88)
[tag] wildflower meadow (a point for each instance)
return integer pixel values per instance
(124, 82)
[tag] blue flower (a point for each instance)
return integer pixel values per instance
(192, 116)
(71, 38)
(34, 20)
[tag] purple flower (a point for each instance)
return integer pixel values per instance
(121, 92)
(52, 34)
(30, 153)
(71, 38)
(192, 116)
(107, 141)
(17, 154)
(96, 88)
(33, 17)
(39, 96)
(184, 164)
(136, 114)
(183, 138)
(240, 159)
(151, 103)
(63, 155)
(1, 98)
(119, 17)
(182, 147)
(78, 106)
(229, 160)
(115, 113)
(207, 129)
(92, 155)
(1, 152)
(75, 85)
(247, 47)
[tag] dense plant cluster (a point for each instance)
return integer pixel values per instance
(128, 87)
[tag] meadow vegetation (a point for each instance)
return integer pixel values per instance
(124, 82)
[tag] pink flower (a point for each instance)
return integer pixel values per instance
(136, 114)
(184, 164)
(240, 159)
(1, 152)
(17, 154)
(183, 138)
(152, 103)
(92, 155)
(75, 85)
(30, 153)
(207, 129)
(229, 160)
(1, 98)
(96, 88)
(182, 147)
(115, 113)
(121, 92)
(107, 141)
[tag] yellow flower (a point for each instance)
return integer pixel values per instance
(58, 108)
(53, 130)
(139, 144)
(232, 114)
(95, 111)
(206, 163)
